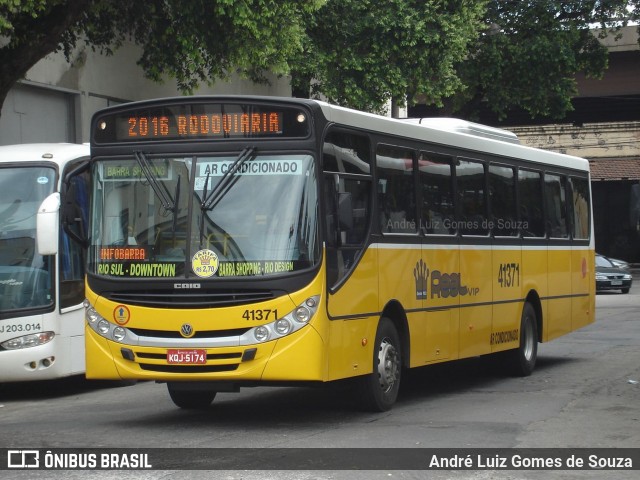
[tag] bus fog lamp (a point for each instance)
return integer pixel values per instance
(283, 326)
(261, 334)
(302, 314)
(103, 327)
(118, 334)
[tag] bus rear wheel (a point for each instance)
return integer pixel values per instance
(190, 399)
(522, 360)
(379, 390)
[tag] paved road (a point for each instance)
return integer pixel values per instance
(582, 394)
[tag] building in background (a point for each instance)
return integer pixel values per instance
(56, 100)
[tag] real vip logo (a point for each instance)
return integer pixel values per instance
(441, 285)
(421, 273)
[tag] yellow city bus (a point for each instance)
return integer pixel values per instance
(239, 241)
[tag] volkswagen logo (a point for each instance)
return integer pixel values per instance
(187, 330)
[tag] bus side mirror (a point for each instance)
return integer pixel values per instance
(47, 222)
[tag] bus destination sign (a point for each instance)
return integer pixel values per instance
(201, 121)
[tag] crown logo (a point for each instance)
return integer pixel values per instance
(421, 273)
(205, 258)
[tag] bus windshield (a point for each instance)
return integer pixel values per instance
(25, 276)
(251, 214)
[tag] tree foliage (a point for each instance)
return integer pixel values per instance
(496, 54)
(195, 41)
(464, 54)
(362, 53)
(530, 52)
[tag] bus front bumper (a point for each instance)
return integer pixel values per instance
(297, 357)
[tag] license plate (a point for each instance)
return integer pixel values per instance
(187, 357)
(616, 282)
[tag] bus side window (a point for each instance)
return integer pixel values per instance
(396, 189)
(502, 201)
(530, 196)
(437, 212)
(580, 207)
(556, 204)
(472, 208)
(346, 163)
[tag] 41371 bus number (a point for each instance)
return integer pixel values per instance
(509, 275)
(259, 315)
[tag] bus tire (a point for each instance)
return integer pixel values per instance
(191, 399)
(522, 360)
(379, 389)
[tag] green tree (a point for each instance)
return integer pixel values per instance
(529, 55)
(363, 53)
(195, 41)
(500, 54)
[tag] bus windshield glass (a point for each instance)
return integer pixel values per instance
(25, 276)
(250, 214)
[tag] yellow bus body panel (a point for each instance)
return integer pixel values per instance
(299, 356)
(351, 325)
(457, 301)
(508, 287)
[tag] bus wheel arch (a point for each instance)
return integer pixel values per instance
(534, 300)
(521, 361)
(396, 314)
(379, 389)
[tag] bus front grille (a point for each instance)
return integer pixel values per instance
(169, 298)
(150, 367)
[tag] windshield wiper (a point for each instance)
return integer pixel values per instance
(226, 182)
(211, 199)
(160, 189)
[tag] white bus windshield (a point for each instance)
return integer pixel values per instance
(209, 217)
(25, 276)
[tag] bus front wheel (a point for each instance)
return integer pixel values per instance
(190, 399)
(379, 389)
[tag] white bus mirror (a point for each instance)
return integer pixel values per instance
(47, 224)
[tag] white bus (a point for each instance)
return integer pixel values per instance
(41, 269)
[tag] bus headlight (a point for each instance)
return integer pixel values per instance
(301, 314)
(103, 327)
(92, 316)
(283, 326)
(261, 334)
(27, 341)
(118, 334)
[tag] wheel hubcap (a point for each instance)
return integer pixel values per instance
(388, 365)
(528, 341)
